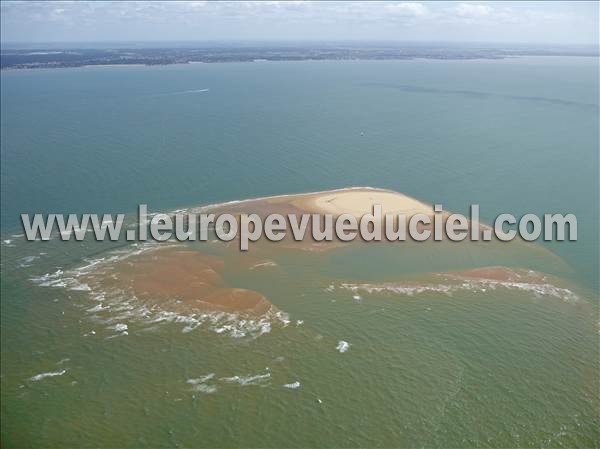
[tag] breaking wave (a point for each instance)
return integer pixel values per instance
(252, 379)
(41, 376)
(342, 346)
(207, 383)
(477, 286)
(118, 311)
(199, 384)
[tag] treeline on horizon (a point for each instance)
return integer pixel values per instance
(52, 56)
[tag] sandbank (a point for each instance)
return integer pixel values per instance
(359, 202)
(191, 278)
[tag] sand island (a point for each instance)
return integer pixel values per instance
(217, 276)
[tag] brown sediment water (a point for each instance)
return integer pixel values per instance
(191, 278)
(477, 280)
(194, 279)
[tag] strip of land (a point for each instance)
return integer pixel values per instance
(127, 55)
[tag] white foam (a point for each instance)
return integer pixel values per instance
(45, 375)
(397, 289)
(342, 346)
(201, 379)
(97, 308)
(256, 379)
(50, 279)
(479, 285)
(199, 384)
(203, 388)
(120, 327)
(269, 263)
(119, 305)
(81, 287)
(26, 262)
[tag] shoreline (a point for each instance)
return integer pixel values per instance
(507, 57)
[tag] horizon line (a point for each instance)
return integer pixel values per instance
(4, 43)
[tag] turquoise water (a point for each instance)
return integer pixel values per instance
(501, 369)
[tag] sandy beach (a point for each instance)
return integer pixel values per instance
(359, 202)
(195, 279)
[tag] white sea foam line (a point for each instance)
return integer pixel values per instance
(256, 379)
(473, 285)
(118, 304)
(61, 278)
(269, 263)
(199, 384)
(201, 379)
(45, 375)
(27, 261)
(219, 322)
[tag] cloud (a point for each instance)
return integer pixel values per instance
(336, 20)
(407, 9)
(473, 11)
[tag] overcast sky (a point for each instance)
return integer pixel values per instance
(527, 22)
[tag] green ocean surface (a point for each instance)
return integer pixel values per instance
(504, 367)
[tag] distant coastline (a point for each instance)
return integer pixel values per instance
(55, 57)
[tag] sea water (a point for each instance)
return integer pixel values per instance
(338, 365)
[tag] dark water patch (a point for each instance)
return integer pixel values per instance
(474, 94)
